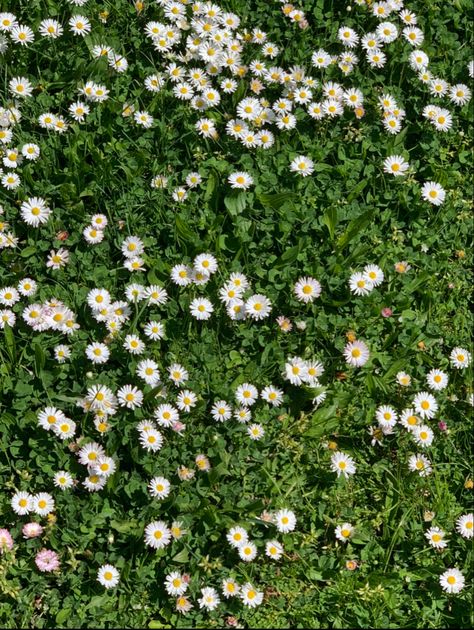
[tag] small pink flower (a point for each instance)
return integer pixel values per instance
(442, 426)
(6, 540)
(47, 560)
(32, 530)
(179, 427)
(386, 312)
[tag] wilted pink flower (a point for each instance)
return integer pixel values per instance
(6, 540)
(284, 323)
(179, 427)
(32, 530)
(386, 312)
(47, 560)
(442, 426)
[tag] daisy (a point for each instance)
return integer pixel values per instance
(186, 400)
(205, 263)
(230, 588)
(143, 118)
(50, 28)
(156, 294)
(175, 583)
(11, 181)
(34, 211)
(443, 120)
(221, 411)
(62, 353)
(21, 34)
(7, 317)
(420, 464)
(237, 536)
(132, 246)
(159, 487)
(437, 379)
(258, 306)
(452, 581)
(97, 353)
(423, 435)
(344, 532)
(433, 192)
(307, 289)
(348, 36)
(7, 21)
(255, 431)
(409, 419)
(356, 353)
(80, 25)
(21, 87)
(459, 94)
(395, 165)
(273, 549)
(22, 503)
(42, 503)
(435, 536)
(166, 415)
(360, 284)
(460, 358)
(183, 605)
(178, 374)
(240, 180)
(272, 395)
(296, 371)
(104, 466)
(302, 165)
(154, 330)
(246, 394)
(157, 535)
(133, 344)
(201, 308)
(108, 576)
(130, 397)
(151, 440)
(9, 296)
(65, 429)
(30, 151)
(425, 405)
(148, 371)
(374, 274)
(209, 599)
(386, 416)
(57, 258)
(250, 596)
(63, 480)
(465, 525)
(342, 464)
(285, 520)
(32, 530)
(247, 551)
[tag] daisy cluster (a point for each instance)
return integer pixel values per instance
(205, 59)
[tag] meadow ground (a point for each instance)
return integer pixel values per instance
(235, 355)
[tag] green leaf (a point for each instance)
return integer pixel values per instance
(40, 358)
(10, 342)
(355, 192)
(330, 220)
(355, 227)
(63, 615)
(276, 200)
(236, 204)
(182, 557)
(183, 231)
